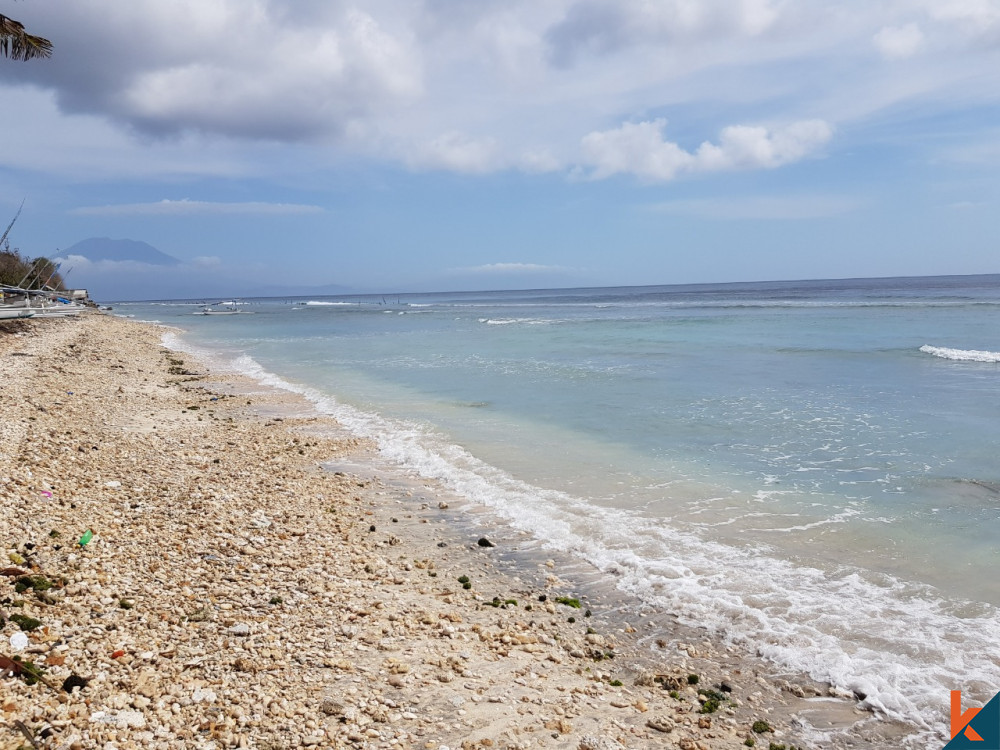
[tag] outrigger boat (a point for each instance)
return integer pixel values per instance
(9, 312)
(222, 308)
(35, 303)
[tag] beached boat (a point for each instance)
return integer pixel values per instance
(49, 311)
(10, 312)
(33, 303)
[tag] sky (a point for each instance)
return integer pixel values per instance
(433, 145)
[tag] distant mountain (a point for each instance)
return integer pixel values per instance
(103, 248)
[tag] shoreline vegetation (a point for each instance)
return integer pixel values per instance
(20, 272)
(181, 571)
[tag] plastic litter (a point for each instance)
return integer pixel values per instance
(87, 536)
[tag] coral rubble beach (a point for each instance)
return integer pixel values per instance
(234, 593)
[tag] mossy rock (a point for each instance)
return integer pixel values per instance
(29, 671)
(568, 601)
(713, 701)
(38, 583)
(27, 624)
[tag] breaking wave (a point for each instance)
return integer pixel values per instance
(961, 355)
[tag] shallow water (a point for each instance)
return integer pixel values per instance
(806, 467)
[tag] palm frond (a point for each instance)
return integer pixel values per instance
(17, 44)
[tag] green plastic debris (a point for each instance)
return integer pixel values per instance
(87, 536)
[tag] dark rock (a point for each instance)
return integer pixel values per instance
(484, 542)
(74, 681)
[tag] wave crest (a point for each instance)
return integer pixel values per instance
(961, 355)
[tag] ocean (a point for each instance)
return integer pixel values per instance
(808, 469)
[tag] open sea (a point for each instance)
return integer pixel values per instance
(810, 469)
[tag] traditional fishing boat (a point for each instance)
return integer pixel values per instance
(10, 312)
(223, 308)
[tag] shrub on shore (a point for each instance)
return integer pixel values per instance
(33, 272)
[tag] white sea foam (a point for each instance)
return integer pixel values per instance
(842, 517)
(961, 355)
(515, 321)
(320, 303)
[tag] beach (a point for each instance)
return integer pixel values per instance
(200, 561)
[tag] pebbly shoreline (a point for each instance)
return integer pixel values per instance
(234, 593)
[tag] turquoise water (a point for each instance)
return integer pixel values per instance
(809, 467)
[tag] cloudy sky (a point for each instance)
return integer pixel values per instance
(450, 144)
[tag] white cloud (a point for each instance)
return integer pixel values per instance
(244, 68)
(82, 263)
(250, 87)
(755, 147)
(207, 261)
(899, 42)
(635, 148)
(86, 147)
(974, 17)
(433, 85)
(602, 27)
(186, 207)
(457, 152)
(639, 149)
(327, 77)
